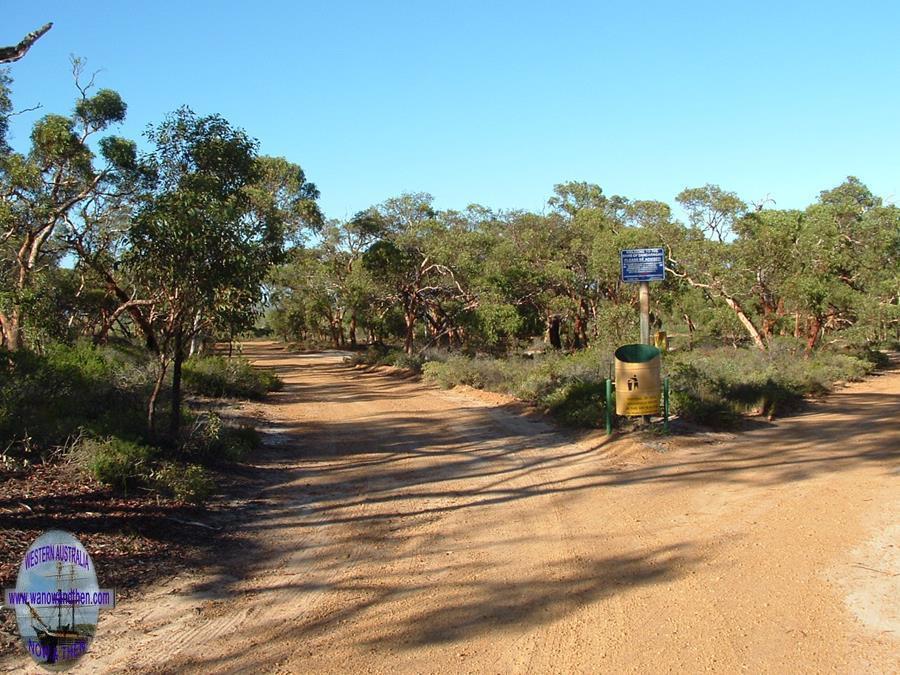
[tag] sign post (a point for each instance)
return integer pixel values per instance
(643, 265)
(645, 312)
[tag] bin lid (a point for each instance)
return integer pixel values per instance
(638, 353)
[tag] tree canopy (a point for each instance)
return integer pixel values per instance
(480, 280)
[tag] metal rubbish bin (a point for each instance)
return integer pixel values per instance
(638, 382)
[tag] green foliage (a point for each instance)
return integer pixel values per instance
(570, 387)
(120, 463)
(578, 404)
(54, 139)
(399, 359)
(189, 483)
(696, 396)
(712, 209)
(126, 465)
(714, 386)
(474, 280)
(480, 281)
(49, 397)
(103, 108)
(94, 397)
(39, 192)
(5, 108)
(239, 442)
(120, 152)
(221, 377)
(204, 238)
(480, 373)
(192, 239)
(208, 439)
(710, 386)
(396, 358)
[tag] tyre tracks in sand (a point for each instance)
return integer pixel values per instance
(401, 528)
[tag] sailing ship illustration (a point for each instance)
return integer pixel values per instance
(64, 641)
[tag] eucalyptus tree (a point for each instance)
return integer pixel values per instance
(40, 190)
(409, 261)
(197, 246)
(6, 109)
(704, 257)
(847, 264)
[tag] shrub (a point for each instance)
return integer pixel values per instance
(578, 404)
(208, 439)
(48, 397)
(125, 465)
(189, 483)
(715, 386)
(116, 462)
(371, 357)
(400, 359)
(570, 387)
(711, 387)
(221, 377)
(238, 442)
(378, 355)
(702, 407)
(457, 369)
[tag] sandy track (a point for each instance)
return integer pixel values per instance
(407, 529)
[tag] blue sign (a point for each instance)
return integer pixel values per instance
(643, 264)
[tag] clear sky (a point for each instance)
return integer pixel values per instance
(495, 102)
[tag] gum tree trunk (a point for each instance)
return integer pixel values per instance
(175, 419)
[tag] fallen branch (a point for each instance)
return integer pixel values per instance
(193, 522)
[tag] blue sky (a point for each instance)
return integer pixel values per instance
(494, 103)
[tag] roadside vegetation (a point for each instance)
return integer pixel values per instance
(712, 386)
(120, 269)
(87, 405)
(762, 306)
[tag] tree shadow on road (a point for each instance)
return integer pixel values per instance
(364, 489)
(456, 611)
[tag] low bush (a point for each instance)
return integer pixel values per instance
(481, 373)
(116, 462)
(221, 377)
(126, 465)
(208, 439)
(377, 355)
(238, 442)
(578, 404)
(370, 357)
(400, 359)
(90, 402)
(570, 387)
(49, 397)
(189, 483)
(714, 386)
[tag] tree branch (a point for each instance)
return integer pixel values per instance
(10, 54)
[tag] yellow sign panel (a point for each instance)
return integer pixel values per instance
(640, 405)
(661, 340)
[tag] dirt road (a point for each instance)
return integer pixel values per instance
(403, 529)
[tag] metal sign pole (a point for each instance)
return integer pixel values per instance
(609, 403)
(645, 312)
(641, 265)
